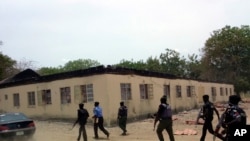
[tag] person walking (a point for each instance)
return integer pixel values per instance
(122, 117)
(164, 116)
(82, 116)
(207, 111)
(233, 118)
(98, 121)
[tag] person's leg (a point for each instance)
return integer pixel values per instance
(204, 131)
(210, 128)
(101, 127)
(161, 126)
(125, 125)
(169, 129)
(96, 130)
(84, 133)
(79, 133)
(122, 124)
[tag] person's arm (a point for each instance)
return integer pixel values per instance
(87, 114)
(77, 120)
(217, 113)
(157, 117)
(198, 116)
(155, 121)
(118, 115)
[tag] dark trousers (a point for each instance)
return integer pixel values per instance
(122, 124)
(101, 127)
(166, 124)
(208, 126)
(82, 131)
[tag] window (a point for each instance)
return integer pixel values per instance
(221, 91)
(31, 98)
(125, 91)
(46, 97)
(190, 91)
(178, 91)
(230, 90)
(166, 91)
(65, 95)
(146, 91)
(6, 97)
(83, 93)
(16, 99)
(87, 94)
(213, 91)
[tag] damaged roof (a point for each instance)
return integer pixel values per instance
(29, 76)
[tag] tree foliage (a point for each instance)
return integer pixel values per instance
(172, 63)
(139, 65)
(69, 66)
(226, 56)
(7, 66)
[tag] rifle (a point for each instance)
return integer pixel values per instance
(74, 124)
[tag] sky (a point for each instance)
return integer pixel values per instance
(52, 32)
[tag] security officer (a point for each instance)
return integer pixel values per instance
(208, 111)
(234, 117)
(122, 117)
(82, 116)
(164, 116)
(98, 121)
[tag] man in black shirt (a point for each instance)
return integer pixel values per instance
(82, 116)
(233, 118)
(122, 117)
(164, 116)
(208, 112)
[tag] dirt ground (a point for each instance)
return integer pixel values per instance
(137, 131)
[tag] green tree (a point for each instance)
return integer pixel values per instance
(7, 68)
(80, 64)
(172, 63)
(226, 56)
(49, 70)
(69, 66)
(193, 67)
(139, 65)
(153, 64)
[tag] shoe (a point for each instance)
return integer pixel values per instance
(96, 137)
(124, 133)
(108, 135)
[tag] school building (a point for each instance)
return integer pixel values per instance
(58, 95)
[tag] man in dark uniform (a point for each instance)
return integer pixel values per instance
(82, 116)
(98, 121)
(122, 117)
(164, 116)
(234, 117)
(207, 114)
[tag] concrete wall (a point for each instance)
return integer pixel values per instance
(106, 89)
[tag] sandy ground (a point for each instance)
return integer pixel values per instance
(137, 131)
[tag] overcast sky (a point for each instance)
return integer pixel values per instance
(53, 32)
